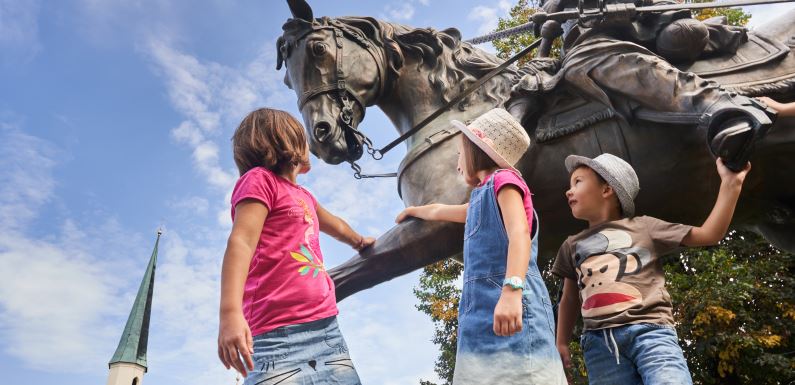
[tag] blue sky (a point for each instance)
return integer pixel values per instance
(115, 119)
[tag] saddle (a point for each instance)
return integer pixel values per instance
(760, 66)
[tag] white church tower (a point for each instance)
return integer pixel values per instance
(128, 365)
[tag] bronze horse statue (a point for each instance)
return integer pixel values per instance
(340, 66)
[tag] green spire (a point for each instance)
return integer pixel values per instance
(132, 345)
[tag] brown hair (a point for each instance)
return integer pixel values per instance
(269, 138)
(598, 176)
(475, 159)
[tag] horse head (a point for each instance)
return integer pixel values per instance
(337, 70)
(339, 66)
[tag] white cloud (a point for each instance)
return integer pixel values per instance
(388, 339)
(19, 30)
(763, 14)
(213, 99)
(185, 309)
(53, 303)
(401, 11)
(107, 22)
(193, 205)
(68, 294)
(487, 15)
(356, 201)
(23, 188)
(58, 291)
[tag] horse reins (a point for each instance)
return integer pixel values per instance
(345, 96)
(343, 91)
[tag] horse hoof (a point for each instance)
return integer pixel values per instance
(731, 143)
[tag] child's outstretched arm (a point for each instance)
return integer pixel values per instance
(568, 310)
(508, 312)
(234, 334)
(716, 225)
(435, 212)
(341, 230)
(783, 109)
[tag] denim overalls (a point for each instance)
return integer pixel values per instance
(527, 357)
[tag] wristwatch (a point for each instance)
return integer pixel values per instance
(514, 282)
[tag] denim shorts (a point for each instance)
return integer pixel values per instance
(635, 354)
(308, 353)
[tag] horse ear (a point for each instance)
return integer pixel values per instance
(279, 56)
(454, 32)
(300, 9)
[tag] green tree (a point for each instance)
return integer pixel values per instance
(734, 303)
(439, 295)
(735, 307)
(511, 45)
(734, 16)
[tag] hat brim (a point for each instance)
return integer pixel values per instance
(493, 154)
(626, 201)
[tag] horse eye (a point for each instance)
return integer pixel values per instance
(319, 49)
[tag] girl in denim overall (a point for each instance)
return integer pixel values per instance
(505, 321)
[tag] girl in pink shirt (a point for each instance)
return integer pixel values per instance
(278, 308)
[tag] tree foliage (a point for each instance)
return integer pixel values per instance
(735, 307)
(439, 296)
(734, 304)
(734, 16)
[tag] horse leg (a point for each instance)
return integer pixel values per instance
(779, 235)
(404, 248)
(772, 204)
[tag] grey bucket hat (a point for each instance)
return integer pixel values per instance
(618, 174)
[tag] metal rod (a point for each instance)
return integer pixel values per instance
(502, 34)
(560, 16)
(714, 4)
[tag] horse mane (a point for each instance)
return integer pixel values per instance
(452, 64)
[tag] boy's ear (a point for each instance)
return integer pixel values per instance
(607, 190)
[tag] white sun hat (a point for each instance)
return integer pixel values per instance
(499, 135)
(617, 173)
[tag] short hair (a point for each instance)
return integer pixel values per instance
(598, 177)
(269, 138)
(474, 158)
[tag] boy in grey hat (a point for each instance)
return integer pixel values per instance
(628, 327)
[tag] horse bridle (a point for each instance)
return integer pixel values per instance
(347, 97)
(343, 92)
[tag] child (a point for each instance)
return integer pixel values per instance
(628, 334)
(274, 285)
(505, 320)
(783, 109)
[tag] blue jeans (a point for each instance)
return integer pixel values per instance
(308, 353)
(635, 354)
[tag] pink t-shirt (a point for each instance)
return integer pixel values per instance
(510, 177)
(287, 282)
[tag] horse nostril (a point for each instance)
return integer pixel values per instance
(322, 131)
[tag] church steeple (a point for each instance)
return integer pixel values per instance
(132, 345)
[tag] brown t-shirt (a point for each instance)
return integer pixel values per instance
(618, 271)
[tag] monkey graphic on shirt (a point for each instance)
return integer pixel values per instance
(602, 261)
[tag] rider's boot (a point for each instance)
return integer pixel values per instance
(734, 124)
